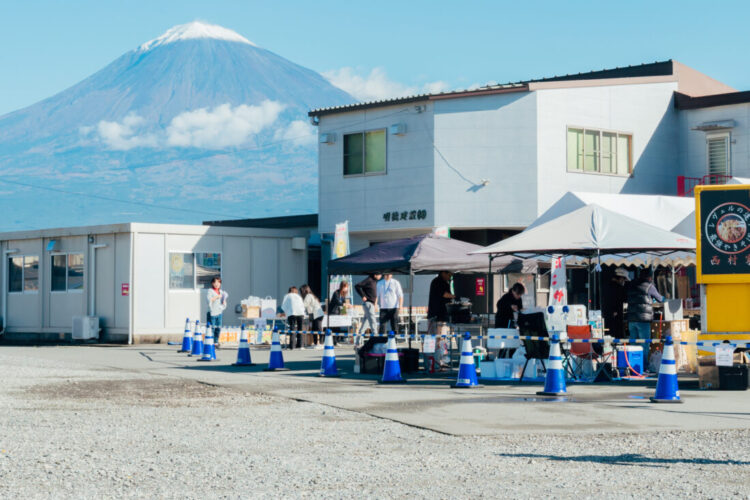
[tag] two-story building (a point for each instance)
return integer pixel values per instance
(486, 162)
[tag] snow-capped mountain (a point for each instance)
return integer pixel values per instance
(197, 124)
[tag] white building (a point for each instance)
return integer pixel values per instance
(140, 280)
(489, 161)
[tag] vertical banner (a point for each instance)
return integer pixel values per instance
(479, 287)
(558, 289)
(340, 249)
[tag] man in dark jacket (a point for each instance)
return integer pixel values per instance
(641, 295)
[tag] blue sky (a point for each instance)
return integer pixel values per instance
(383, 47)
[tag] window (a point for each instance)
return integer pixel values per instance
(207, 267)
(717, 147)
(188, 271)
(597, 151)
(67, 272)
(31, 274)
(15, 274)
(364, 153)
(181, 275)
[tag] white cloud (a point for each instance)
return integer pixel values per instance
(376, 85)
(298, 133)
(217, 128)
(123, 136)
(222, 126)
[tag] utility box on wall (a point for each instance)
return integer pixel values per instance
(85, 327)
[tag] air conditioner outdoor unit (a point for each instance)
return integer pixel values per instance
(85, 327)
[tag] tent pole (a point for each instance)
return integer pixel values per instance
(674, 296)
(411, 295)
(487, 290)
(599, 281)
(328, 301)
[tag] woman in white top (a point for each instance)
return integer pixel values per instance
(217, 302)
(390, 300)
(314, 313)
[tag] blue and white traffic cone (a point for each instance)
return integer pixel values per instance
(209, 352)
(187, 338)
(666, 385)
(197, 341)
(243, 353)
(276, 359)
(467, 372)
(328, 364)
(554, 382)
(392, 367)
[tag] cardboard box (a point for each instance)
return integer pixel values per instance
(250, 312)
(708, 376)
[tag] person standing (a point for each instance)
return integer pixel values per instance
(641, 294)
(338, 305)
(390, 299)
(217, 302)
(613, 304)
(508, 305)
(314, 313)
(440, 297)
(294, 310)
(367, 289)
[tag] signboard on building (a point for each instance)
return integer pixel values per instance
(480, 287)
(723, 238)
(125, 289)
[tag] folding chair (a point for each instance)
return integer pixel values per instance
(587, 350)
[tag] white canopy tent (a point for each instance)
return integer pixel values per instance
(671, 213)
(590, 233)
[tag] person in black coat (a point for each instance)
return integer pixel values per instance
(509, 304)
(613, 304)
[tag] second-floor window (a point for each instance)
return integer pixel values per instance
(364, 153)
(599, 151)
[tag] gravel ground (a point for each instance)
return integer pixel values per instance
(72, 432)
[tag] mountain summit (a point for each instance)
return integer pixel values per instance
(198, 123)
(196, 29)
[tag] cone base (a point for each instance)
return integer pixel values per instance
(542, 393)
(243, 364)
(275, 369)
(181, 351)
(329, 376)
(391, 382)
(654, 400)
(202, 359)
(464, 386)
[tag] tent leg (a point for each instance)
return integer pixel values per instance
(328, 301)
(411, 318)
(674, 296)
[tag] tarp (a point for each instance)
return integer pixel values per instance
(590, 230)
(671, 213)
(426, 253)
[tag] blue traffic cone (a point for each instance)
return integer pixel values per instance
(467, 372)
(243, 353)
(276, 359)
(666, 385)
(209, 351)
(187, 338)
(328, 364)
(392, 368)
(197, 341)
(554, 382)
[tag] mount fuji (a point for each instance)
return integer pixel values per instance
(197, 124)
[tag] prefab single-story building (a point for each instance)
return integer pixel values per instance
(141, 281)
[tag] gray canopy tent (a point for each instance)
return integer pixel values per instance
(591, 231)
(425, 254)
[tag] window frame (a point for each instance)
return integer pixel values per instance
(67, 272)
(23, 274)
(727, 136)
(613, 154)
(364, 173)
(195, 287)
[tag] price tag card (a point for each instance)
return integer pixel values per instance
(724, 355)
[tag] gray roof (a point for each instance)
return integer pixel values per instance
(658, 68)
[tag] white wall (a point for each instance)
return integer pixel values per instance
(407, 185)
(645, 110)
(490, 137)
(693, 157)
